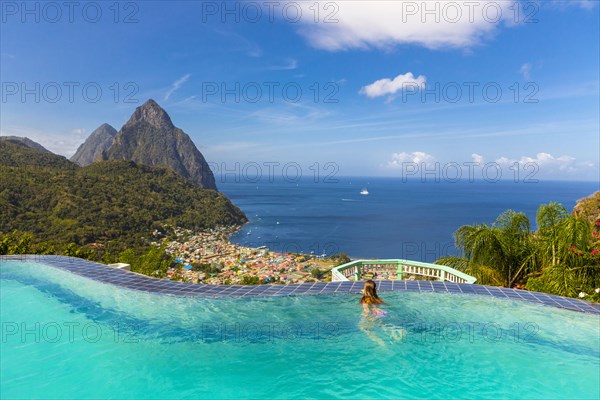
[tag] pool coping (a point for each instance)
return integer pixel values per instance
(134, 281)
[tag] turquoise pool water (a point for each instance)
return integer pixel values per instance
(65, 336)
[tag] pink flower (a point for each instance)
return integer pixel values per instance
(598, 223)
(594, 252)
(594, 233)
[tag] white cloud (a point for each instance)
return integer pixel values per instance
(540, 158)
(176, 85)
(79, 132)
(477, 158)
(416, 157)
(63, 143)
(547, 164)
(525, 168)
(386, 86)
(525, 70)
(348, 24)
(290, 64)
(545, 158)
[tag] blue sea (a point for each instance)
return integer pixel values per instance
(398, 218)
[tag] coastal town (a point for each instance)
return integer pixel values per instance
(209, 257)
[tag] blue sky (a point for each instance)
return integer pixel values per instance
(376, 87)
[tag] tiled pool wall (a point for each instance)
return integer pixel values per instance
(134, 281)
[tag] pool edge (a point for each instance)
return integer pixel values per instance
(134, 281)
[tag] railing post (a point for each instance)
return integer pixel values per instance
(443, 276)
(358, 271)
(399, 272)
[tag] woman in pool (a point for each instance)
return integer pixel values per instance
(370, 298)
(371, 315)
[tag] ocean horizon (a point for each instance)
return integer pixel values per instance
(399, 218)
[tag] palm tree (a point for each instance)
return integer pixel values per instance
(563, 241)
(500, 253)
(558, 232)
(555, 259)
(484, 274)
(549, 217)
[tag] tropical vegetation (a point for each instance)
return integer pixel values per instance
(562, 257)
(107, 211)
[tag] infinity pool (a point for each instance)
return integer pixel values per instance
(66, 336)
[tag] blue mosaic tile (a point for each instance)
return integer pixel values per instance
(466, 288)
(527, 295)
(425, 286)
(333, 286)
(398, 285)
(384, 285)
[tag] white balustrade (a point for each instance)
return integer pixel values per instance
(358, 268)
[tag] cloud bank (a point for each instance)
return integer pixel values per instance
(523, 169)
(351, 24)
(386, 86)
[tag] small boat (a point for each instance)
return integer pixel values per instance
(364, 192)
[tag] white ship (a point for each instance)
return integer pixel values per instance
(364, 192)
